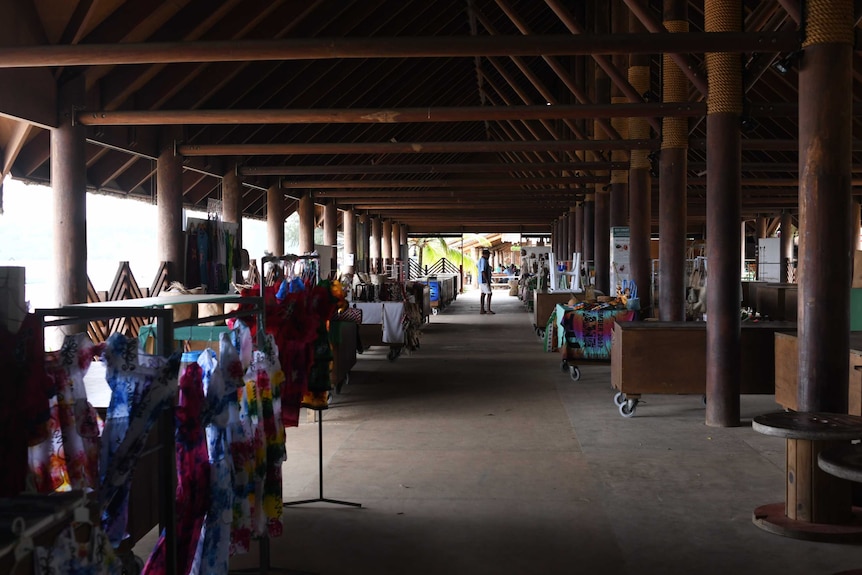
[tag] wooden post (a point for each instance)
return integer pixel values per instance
(363, 243)
(385, 244)
(760, 225)
(785, 252)
(306, 223)
(602, 242)
(169, 193)
(69, 182)
(672, 178)
(640, 199)
(275, 220)
(825, 133)
(330, 230)
(231, 207)
(619, 200)
(572, 221)
(349, 230)
(376, 247)
(404, 241)
(330, 223)
(723, 214)
(589, 230)
(579, 229)
(857, 225)
(395, 239)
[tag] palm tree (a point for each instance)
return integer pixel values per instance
(433, 249)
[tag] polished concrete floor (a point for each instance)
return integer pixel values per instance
(478, 455)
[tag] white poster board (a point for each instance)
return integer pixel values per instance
(620, 267)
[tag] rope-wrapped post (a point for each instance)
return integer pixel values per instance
(723, 217)
(825, 245)
(640, 200)
(672, 178)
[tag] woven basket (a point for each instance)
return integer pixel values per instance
(182, 312)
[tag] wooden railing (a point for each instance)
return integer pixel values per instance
(124, 287)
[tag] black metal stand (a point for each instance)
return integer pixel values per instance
(321, 498)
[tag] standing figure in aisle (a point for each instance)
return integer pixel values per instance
(485, 282)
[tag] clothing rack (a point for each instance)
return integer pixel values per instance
(264, 560)
(320, 498)
(27, 517)
(154, 308)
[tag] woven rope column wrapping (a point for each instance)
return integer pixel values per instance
(826, 22)
(674, 131)
(724, 70)
(723, 206)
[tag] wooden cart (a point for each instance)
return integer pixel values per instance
(670, 358)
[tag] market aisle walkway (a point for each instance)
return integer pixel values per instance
(462, 457)
(477, 455)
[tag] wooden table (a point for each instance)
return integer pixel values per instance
(818, 506)
(844, 462)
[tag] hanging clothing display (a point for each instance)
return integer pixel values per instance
(235, 349)
(69, 458)
(266, 376)
(193, 471)
(24, 411)
(211, 556)
(142, 387)
(211, 247)
(69, 555)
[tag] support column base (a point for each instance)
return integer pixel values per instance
(771, 518)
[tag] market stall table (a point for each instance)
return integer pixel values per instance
(382, 324)
(818, 505)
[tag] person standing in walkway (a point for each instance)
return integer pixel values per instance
(485, 282)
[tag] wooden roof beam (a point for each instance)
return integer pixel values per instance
(418, 47)
(444, 183)
(414, 147)
(388, 116)
(478, 168)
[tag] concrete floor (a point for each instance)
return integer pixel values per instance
(477, 455)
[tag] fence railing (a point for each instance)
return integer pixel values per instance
(124, 287)
(441, 266)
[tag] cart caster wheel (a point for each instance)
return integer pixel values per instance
(574, 373)
(703, 399)
(564, 366)
(540, 332)
(628, 407)
(434, 311)
(619, 399)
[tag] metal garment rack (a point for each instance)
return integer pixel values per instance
(264, 559)
(290, 257)
(154, 307)
(164, 338)
(320, 498)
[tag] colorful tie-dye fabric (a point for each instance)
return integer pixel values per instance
(144, 386)
(211, 556)
(240, 433)
(69, 556)
(193, 471)
(69, 459)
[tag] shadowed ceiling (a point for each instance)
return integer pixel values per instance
(447, 116)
